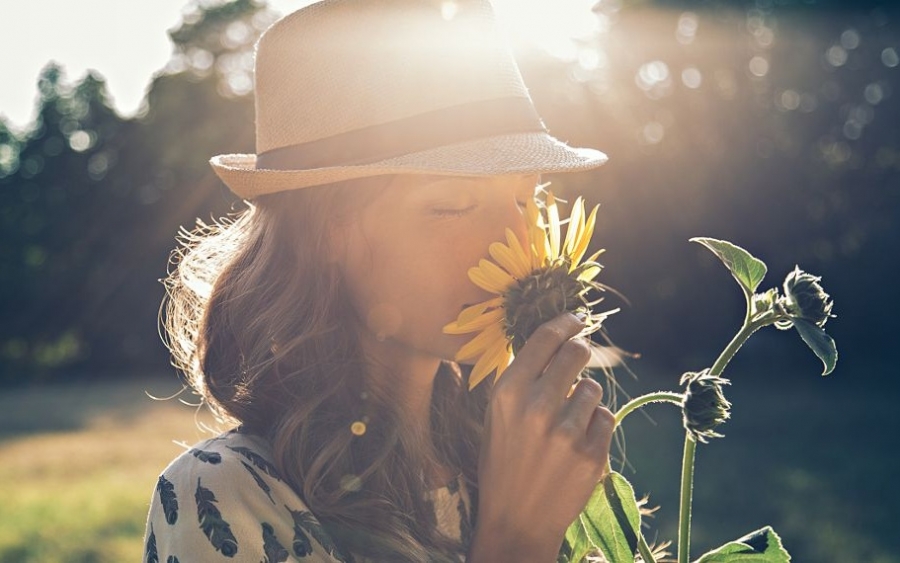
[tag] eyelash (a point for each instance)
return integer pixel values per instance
(453, 212)
(460, 212)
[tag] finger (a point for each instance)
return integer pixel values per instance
(542, 347)
(567, 363)
(586, 396)
(600, 432)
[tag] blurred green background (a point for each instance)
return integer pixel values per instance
(774, 124)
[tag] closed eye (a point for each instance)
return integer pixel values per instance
(453, 212)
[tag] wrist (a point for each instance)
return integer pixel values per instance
(501, 544)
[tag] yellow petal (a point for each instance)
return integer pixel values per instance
(537, 235)
(507, 258)
(593, 257)
(476, 324)
(488, 363)
(490, 277)
(503, 363)
(473, 311)
(585, 236)
(553, 225)
(576, 225)
(480, 343)
(589, 273)
(518, 251)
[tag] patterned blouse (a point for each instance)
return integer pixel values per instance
(224, 500)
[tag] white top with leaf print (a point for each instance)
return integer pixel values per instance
(224, 500)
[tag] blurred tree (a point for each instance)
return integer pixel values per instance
(767, 123)
(46, 202)
(91, 202)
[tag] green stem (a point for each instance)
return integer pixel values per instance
(644, 549)
(746, 331)
(690, 446)
(687, 491)
(638, 402)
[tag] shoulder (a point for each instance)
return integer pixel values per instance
(224, 498)
(227, 459)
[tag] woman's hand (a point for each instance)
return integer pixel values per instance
(543, 451)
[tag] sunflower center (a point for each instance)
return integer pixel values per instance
(541, 296)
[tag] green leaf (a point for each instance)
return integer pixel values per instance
(748, 270)
(577, 539)
(819, 342)
(612, 519)
(761, 546)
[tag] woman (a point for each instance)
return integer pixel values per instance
(395, 142)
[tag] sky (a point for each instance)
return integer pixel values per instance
(126, 41)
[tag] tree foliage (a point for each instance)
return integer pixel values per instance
(90, 202)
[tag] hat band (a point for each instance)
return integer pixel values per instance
(421, 132)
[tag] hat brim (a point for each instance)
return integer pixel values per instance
(519, 153)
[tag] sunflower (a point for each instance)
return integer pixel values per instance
(534, 281)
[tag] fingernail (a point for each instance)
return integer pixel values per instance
(581, 316)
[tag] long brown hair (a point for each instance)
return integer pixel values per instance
(258, 319)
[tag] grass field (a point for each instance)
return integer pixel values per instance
(78, 463)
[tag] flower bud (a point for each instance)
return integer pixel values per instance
(705, 406)
(763, 302)
(805, 298)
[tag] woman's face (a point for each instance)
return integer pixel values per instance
(407, 253)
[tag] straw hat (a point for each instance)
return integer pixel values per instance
(354, 88)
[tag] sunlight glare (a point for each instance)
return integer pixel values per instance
(554, 27)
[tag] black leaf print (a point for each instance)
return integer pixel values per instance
(150, 554)
(259, 481)
(172, 559)
(207, 457)
(301, 546)
(216, 529)
(275, 552)
(305, 521)
(453, 486)
(259, 461)
(166, 491)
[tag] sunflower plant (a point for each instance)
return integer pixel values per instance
(545, 275)
(533, 281)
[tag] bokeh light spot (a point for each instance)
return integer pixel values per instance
(98, 165)
(81, 141)
(890, 58)
(874, 93)
(687, 28)
(850, 39)
(654, 79)
(759, 66)
(653, 132)
(237, 34)
(836, 56)
(691, 77)
(358, 428)
(789, 100)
